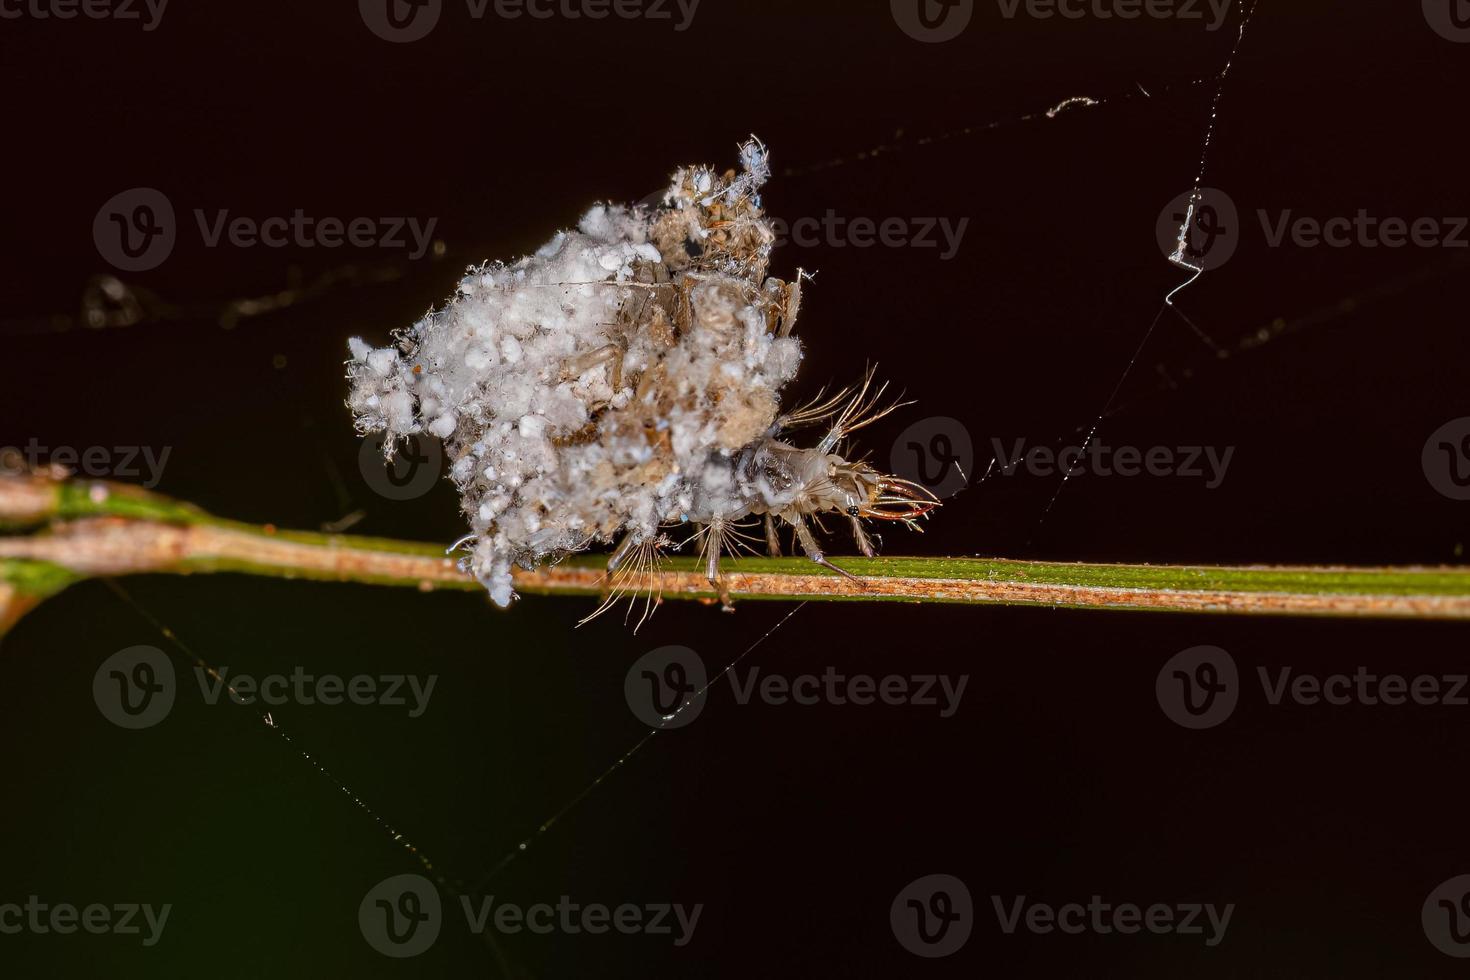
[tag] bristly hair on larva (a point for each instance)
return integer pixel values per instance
(623, 381)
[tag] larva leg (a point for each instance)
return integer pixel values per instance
(860, 534)
(793, 305)
(641, 555)
(714, 541)
(773, 543)
(621, 552)
(813, 549)
(575, 367)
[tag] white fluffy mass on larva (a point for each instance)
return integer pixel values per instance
(582, 391)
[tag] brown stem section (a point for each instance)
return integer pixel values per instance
(94, 529)
(119, 546)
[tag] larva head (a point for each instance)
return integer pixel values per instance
(858, 490)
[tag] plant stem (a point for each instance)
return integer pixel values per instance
(90, 528)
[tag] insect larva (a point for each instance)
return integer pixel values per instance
(625, 379)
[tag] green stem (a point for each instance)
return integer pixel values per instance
(82, 529)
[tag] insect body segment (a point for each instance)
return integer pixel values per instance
(785, 483)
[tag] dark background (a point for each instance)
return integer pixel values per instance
(1058, 778)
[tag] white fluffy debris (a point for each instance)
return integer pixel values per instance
(583, 391)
